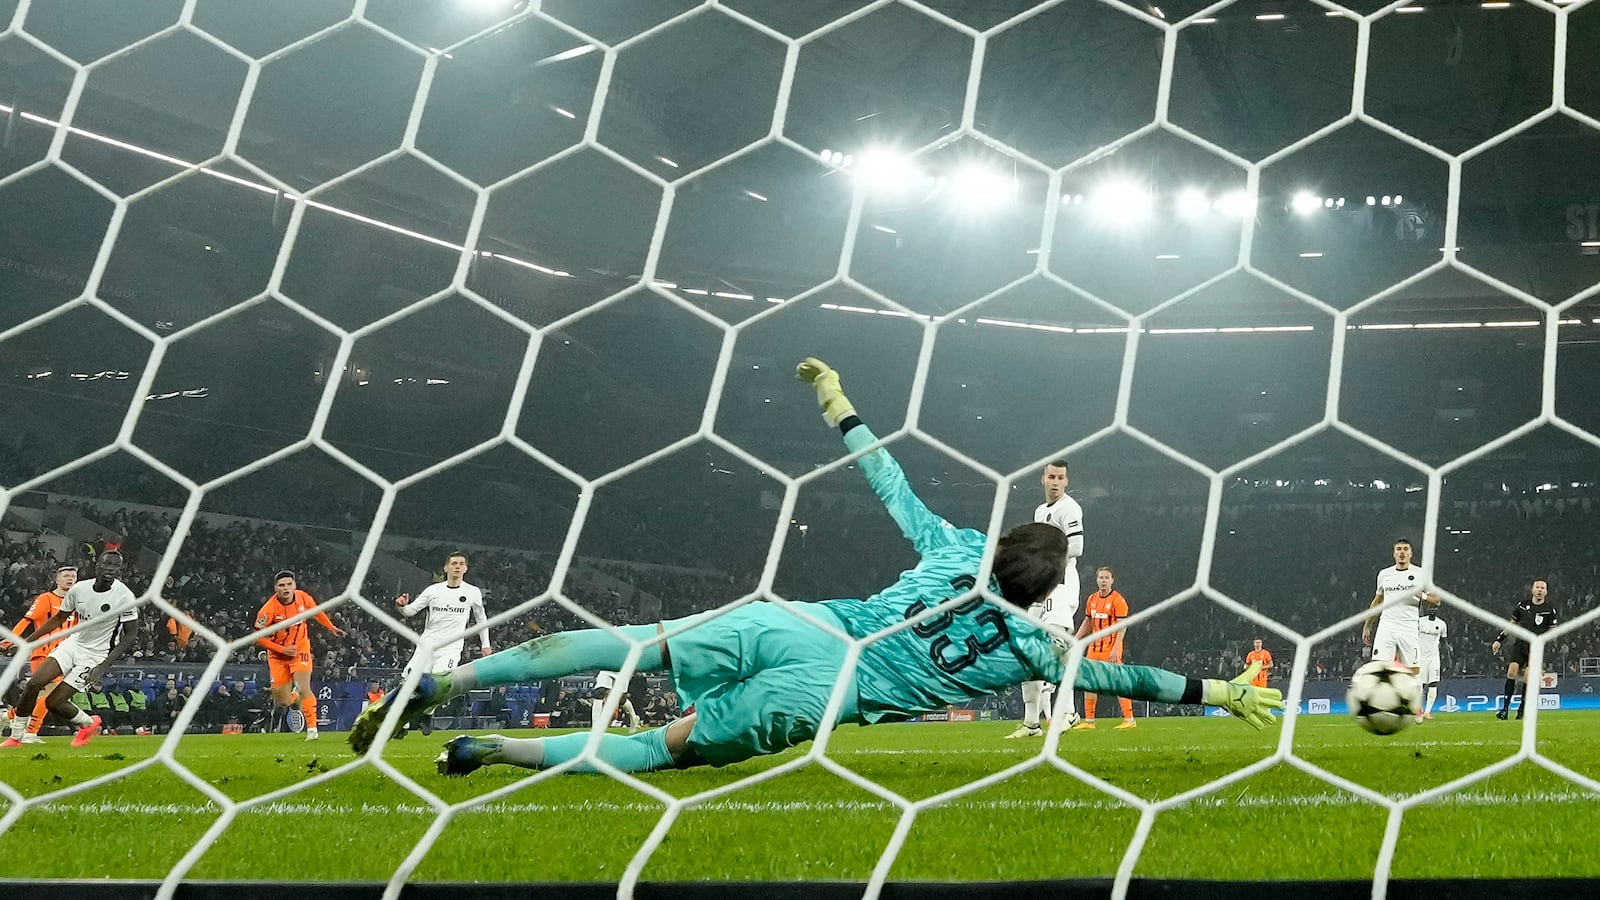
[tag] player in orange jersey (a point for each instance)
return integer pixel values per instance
(44, 606)
(1261, 656)
(1104, 609)
(289, 646)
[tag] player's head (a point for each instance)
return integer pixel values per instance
(1402, 552)
(1029, 562)
(1258, 643)
(1104, 578)
(1540, 590)
(283, 585)
(1054, 480)
(66, 577)
(455, 565)
(108, 565)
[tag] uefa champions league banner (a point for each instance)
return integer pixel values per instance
(1467, 695)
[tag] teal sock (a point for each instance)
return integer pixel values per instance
(644, 752)
(555, 656)
(1133, 682)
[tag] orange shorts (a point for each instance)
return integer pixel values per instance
(283, 670)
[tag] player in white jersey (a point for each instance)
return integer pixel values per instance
(1397, 637)
(1061, 606)
(1431, 632)
(605, 682)
(448, 603)
(103, 607)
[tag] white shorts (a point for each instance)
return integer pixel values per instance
(438, 661)
(1396, 642)
(1059, 609)
(76, 661)
(1430, 669)
(605, 681)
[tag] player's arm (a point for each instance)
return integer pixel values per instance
(918, 523)
(325, 622)
(1073, 529)
(22, 629)
(479, 616)
(1366, 627)
(1083, 628)
(55, 621)
(130, 636)
(409, 607)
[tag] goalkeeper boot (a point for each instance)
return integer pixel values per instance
(429, 694)
(1252, 704)
(463, 755)
(1025, 731)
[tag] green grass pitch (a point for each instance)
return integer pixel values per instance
(812, 824)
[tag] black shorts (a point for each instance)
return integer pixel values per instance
(1518, 653)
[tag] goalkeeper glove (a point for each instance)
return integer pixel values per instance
(1252, 704)
(830, 396)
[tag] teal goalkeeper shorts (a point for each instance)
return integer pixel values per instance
(759, 679)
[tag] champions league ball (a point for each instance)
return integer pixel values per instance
(1384, 697)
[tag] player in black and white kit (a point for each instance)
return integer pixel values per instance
(1397, 637)
(1431, 632)
(1537, 615)
(448, 603)
(104, 608)
(1061, 607)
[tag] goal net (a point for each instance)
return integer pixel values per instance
(340, 288)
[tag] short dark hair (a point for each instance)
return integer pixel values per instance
(116, 553)
(282, 574)
(455, 553)
(1029, 562)
(1399, 541)
(1058, 463)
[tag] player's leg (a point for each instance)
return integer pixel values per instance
(301, 676)
(1091, 703)
(1032, 694)
(1430, 680)
(548, 656)
(1032, 703)
(41, 709)
(1090, 700)
(1383, 643)
(281, 678)
(60, 702)
(1127, 714)
(772, 698)
(659, 748)
(32, 693)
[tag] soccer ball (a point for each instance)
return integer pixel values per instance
(1384, 697)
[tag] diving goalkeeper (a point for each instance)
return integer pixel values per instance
(759, 678)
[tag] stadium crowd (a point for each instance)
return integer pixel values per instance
(1313, 575)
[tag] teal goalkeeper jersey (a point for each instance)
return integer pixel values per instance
(971, 650)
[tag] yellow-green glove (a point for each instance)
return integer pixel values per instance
(1252, 704)
(830, 396)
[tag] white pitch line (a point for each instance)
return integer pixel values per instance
(805, 806)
